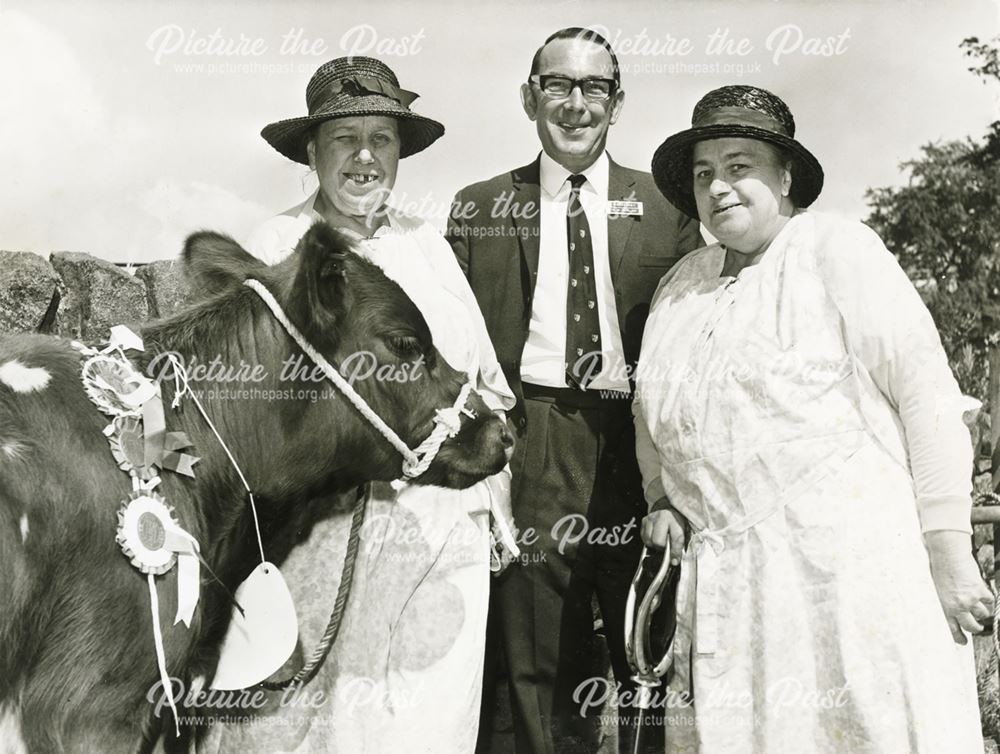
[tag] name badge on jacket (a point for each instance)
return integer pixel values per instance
(624, 209)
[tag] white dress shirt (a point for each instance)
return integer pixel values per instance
(543, 361)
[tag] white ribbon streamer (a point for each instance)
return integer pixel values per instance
(188, 571)
(161, 660)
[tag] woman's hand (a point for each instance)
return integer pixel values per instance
(503, 543)
(965, 599)
(662, 525)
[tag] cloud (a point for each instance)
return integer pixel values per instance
(56, 126)
(177, 209)
(41, 73)
(77, 172)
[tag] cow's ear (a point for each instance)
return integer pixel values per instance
(316, 303)
(215, 263)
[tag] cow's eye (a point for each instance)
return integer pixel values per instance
(404, 346)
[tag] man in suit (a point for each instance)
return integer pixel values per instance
(563, 255)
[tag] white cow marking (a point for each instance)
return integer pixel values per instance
(13, 449)
(24, 527)
(10, 732)
(24, 379)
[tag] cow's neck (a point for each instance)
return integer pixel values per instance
(263, 435)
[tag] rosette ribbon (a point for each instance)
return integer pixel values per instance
(121, 391)
(161, 447)
(153, 542)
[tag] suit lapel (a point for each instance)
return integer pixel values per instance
(525, 217)
(620, 187)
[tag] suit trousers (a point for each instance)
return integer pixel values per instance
(578, 504)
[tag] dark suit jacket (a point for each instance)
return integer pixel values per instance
(494, 232)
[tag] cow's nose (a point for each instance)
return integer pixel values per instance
(506, 438)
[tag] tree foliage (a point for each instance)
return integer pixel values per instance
(944, 227)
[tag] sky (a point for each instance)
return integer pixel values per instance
(127, 126)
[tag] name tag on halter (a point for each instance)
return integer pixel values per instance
(624, 209)
(262, 638)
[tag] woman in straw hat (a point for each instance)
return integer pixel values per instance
(406, 670)
(797, 418)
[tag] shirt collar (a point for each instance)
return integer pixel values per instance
(553, 176)
(309, 213)
(309, 208)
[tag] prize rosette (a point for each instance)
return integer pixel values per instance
(115, 386)
(128, 446)
(143, 522)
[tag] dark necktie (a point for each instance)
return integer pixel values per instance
(583, 327)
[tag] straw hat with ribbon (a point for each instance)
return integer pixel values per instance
(737, 111)
(353, 86)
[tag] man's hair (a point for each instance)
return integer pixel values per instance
(587, 35)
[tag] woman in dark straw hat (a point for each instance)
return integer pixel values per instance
(358, 128)
(797, 417)
(406, 669)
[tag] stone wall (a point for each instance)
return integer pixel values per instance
(80, 296)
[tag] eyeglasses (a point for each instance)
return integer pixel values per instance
(562, 86)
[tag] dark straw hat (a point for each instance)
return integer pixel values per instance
(348, 87)
(746, 112)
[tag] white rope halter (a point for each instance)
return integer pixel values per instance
(446, 421)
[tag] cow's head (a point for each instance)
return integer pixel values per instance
(366, 326)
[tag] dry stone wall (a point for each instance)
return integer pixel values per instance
(79, 296)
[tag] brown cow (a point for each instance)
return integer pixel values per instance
(76, 636)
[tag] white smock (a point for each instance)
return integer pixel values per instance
(405, 673)
(803, 417)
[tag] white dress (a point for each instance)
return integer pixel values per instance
(803, 417)
(406, 670)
